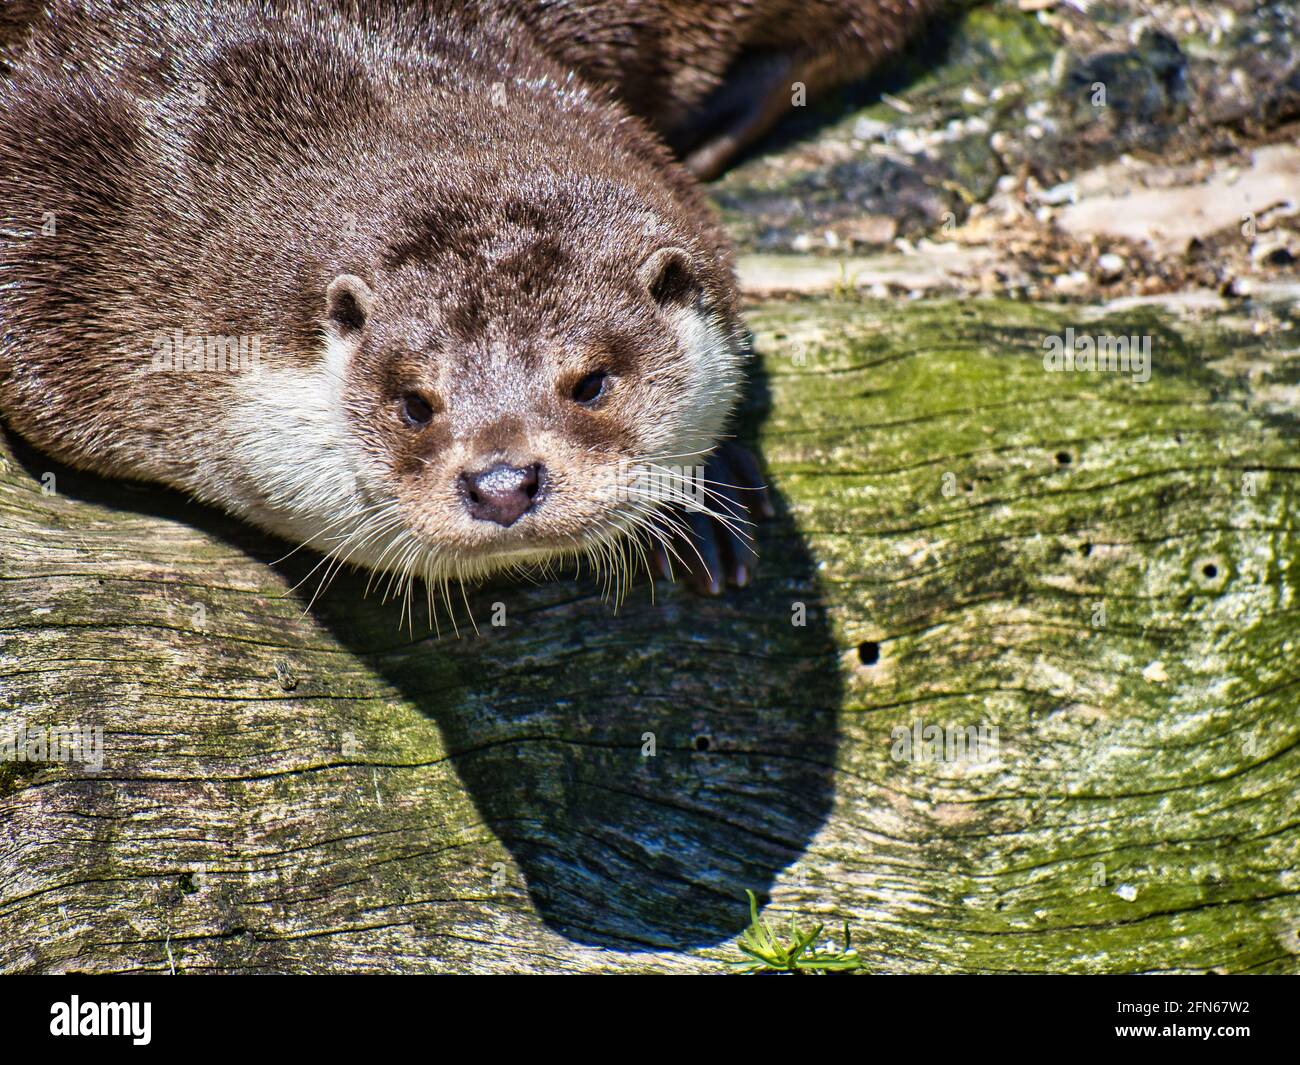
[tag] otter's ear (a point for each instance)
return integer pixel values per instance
(670, 278)
(348, 303)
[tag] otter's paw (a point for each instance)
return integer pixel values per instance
(716, 549)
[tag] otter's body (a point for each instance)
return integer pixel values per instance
(404, 287)
(713, 77)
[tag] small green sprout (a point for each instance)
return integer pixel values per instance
(846, 285)
(765, 953)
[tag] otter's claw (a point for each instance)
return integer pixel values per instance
(719, 549)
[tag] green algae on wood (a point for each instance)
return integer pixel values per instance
(1101, 570)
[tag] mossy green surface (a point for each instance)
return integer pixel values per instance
(1104, 571)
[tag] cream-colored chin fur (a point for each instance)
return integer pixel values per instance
(712, 387)
(289, 436)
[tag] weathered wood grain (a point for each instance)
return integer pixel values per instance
(318, 789)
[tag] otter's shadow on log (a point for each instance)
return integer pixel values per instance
(560, 709)
(643, 766)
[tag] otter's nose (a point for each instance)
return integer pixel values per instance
(503, 493)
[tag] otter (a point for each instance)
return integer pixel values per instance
(418, 289)
(712, 78)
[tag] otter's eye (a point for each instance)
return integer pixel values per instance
(416, 411)
(588, 390)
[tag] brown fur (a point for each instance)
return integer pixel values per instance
(433, 198)
(724, 71)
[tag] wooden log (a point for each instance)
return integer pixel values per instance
(1098, 572)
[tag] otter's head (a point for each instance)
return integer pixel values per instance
(517, 385)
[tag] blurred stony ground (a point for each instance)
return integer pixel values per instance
(1045, 149)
